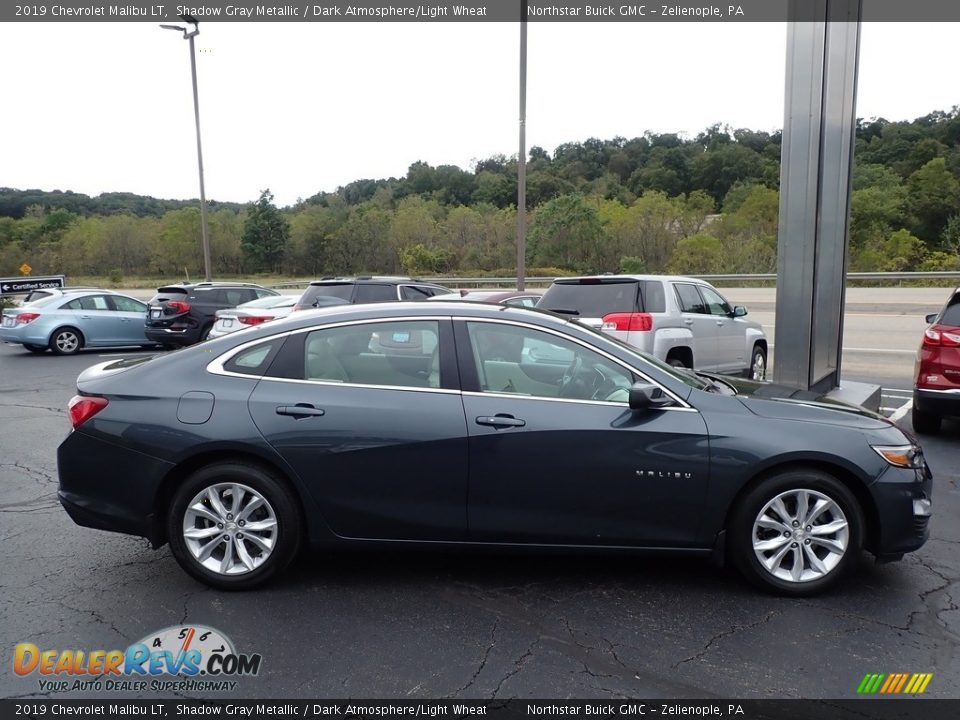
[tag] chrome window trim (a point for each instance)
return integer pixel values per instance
(605, 403)
(592, 348)
(215, 366)
(331, 383)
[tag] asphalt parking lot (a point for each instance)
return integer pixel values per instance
(431, 624)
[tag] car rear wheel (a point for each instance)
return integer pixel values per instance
(758, 363)
(234, 525)
(797, 532)
(66, 341)
(36, 349)
(925, 423)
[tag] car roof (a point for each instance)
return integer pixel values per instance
(369, 278)
(210, 285)
(673, 278)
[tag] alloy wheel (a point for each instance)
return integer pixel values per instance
(800, 535)
(230, 529)
(758, 370)
(67, 341)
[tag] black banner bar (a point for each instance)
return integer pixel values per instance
(639, 709)
(471, 11)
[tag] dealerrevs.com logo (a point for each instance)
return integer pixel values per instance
(177, 658)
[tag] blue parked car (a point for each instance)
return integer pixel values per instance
(67, 322)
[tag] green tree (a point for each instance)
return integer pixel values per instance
(934, 195)
(697, 255)
(565, 233)
(265, 235)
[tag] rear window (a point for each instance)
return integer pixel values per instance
(169, 293)
(593, 299)
(344, 291)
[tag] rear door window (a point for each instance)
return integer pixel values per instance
(90, 302)
(396, 354)
(125, 304)
(689, 298)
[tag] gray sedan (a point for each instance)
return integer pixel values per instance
(67, 322)
(450, 423)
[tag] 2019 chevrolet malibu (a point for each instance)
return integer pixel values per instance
(449, 423)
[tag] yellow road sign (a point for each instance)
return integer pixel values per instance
(26, 269)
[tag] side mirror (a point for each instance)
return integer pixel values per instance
(644, 396)
(739, 311)
(931, 318)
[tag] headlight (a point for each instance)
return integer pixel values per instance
(905, 456)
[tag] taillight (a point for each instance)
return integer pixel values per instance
(937, 335)
(253, 319)
(84, 407)
(178, 306)
(27, 317)
(628, 322)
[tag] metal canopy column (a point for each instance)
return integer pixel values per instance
(815, 174)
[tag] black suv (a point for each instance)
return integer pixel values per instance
(182, 314)
(368, 289)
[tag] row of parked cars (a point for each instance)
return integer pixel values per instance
(682, 321)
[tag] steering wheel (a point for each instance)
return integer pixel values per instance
(567, 387)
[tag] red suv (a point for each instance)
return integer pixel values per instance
(936, 392)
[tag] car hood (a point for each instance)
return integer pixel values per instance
(771, 400)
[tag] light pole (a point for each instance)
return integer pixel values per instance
(522, 158)
(190, 35)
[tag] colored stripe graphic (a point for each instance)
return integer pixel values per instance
(895, 683)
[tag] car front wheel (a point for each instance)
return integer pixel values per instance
(234, 525)
(758, 363)
(797, 532)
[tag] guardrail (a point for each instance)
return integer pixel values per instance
(723, 279)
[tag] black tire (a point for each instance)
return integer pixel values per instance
(748, 510)
(36, 349)
(66, 341)
(205, 332)
(758, 363)
(286, 538)
(925, 423)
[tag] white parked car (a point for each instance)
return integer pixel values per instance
(252, 313)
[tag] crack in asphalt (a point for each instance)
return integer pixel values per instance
(59, 411)
(483, 660)
(518, 666)
(726, 633)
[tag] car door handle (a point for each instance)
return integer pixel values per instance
(300, 410)
(688, 321)
(499, 421)
(721, 323)
(84, 317)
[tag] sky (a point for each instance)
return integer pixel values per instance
(301, 108)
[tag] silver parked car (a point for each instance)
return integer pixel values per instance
(67, 322)
(680, 320)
